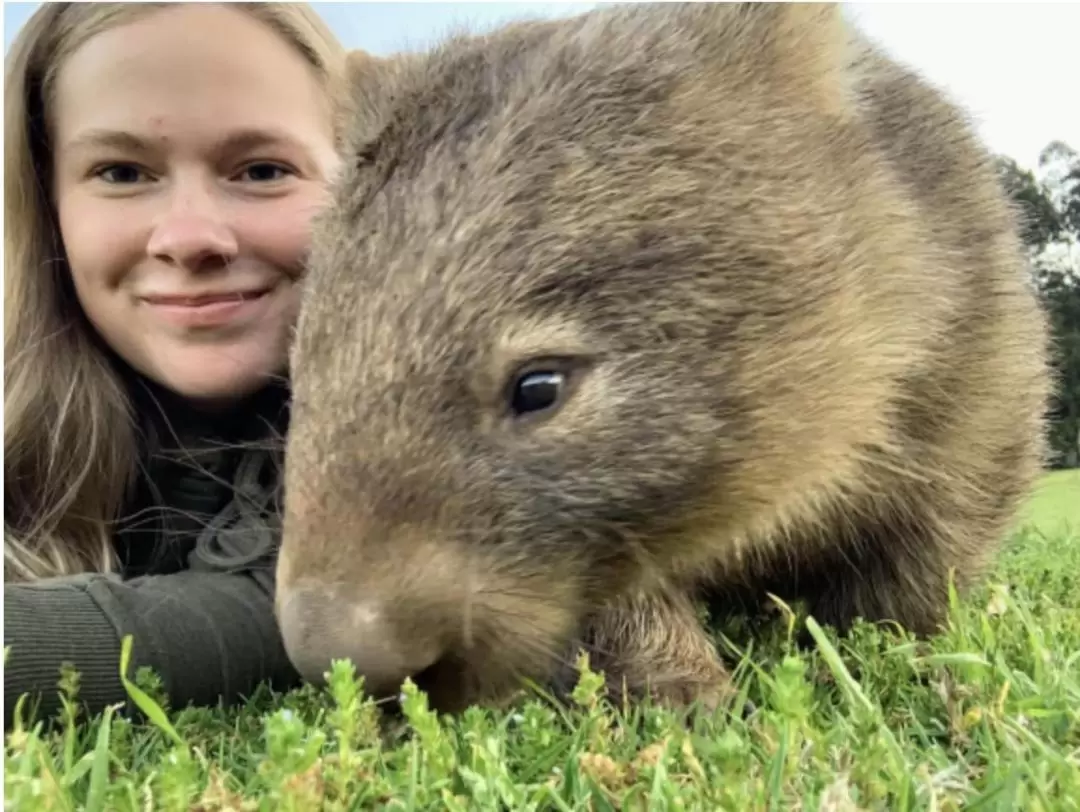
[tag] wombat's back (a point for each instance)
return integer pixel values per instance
(966, 424)
(997, 358)
(977, 410)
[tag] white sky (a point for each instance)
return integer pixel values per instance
(1014, 66)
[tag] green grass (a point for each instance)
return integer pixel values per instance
(1055, 506)
(986, 716)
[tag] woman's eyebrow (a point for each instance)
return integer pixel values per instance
(244, 140)
(112, 139)
(236, 141)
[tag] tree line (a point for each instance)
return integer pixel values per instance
(1049, 202)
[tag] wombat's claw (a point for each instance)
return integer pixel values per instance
(677, 695)
(673, 694)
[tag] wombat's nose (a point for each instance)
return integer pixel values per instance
(317, 627)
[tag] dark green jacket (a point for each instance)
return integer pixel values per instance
(197, 547)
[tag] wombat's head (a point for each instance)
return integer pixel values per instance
(521, 368)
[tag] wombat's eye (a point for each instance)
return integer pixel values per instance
(536, 391)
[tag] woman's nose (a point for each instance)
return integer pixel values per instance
(192, 233)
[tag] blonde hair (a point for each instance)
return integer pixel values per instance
(70, 435)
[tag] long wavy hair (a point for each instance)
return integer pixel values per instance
(71, 442)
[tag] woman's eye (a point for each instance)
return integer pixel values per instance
(120, 173)
(536, 391)
(264, 172)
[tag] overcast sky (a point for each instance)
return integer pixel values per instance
(1013, 65)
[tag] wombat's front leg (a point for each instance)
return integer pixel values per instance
(655, 644)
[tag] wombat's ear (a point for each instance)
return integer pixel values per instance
(367, 76)
(370, 82)
(359, 65)
(801, 49)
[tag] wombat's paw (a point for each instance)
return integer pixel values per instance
(652, 646)
(706, 683)
(679, 694)
(709, 686)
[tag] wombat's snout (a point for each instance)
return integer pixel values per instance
(318, 626)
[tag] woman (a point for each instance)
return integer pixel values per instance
(162, 163)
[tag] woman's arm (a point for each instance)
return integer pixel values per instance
(208, 631)
(208, 634)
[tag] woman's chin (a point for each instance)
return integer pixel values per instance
(216, 376)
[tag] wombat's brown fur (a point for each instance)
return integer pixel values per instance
(783, 300)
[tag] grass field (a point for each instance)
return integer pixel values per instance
(985, 716)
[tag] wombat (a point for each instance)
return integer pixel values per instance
(660, 301)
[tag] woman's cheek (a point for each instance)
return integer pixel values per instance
(281, 234)
(103, 241)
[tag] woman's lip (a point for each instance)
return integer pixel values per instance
(188, 312)
(201, 300)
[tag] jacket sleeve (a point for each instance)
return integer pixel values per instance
(208, 631)
(209, 635)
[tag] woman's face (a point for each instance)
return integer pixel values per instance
(191, 148)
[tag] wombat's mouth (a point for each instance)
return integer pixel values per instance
(451, 686)
(446, 685)
(485, 659)
(453, 683)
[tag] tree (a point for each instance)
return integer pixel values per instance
(1049, 204)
